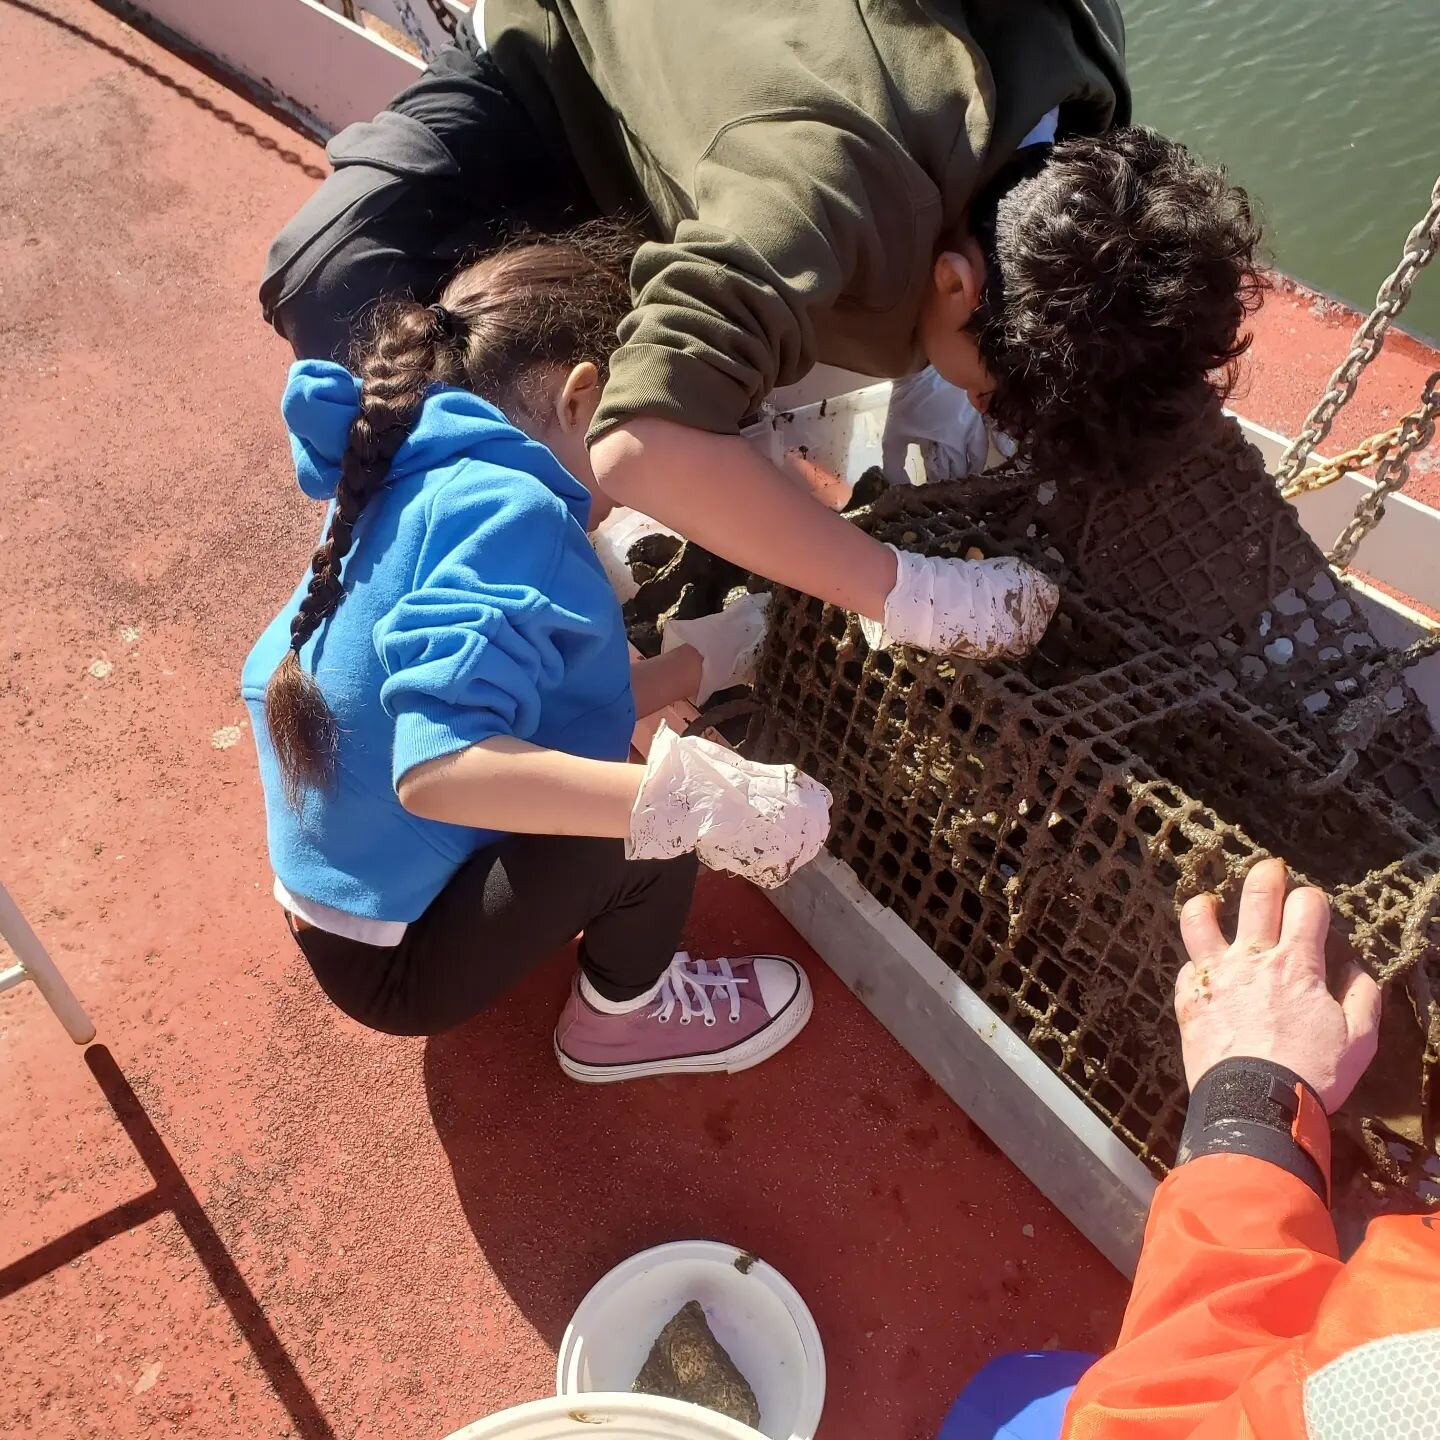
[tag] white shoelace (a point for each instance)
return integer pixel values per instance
(688, 985)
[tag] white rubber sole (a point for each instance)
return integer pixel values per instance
(745, 1056)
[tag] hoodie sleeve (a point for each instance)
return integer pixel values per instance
(474, 646)
(792, 213)
(319, 406)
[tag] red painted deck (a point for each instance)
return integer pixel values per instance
(240, 1213)
(1300, 338)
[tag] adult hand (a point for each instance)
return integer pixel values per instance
(1264, 993)
(981, 609)
(762, 822)
(729, 643)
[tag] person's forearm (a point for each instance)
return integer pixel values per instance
(1238, 1257)
(506, 784)
(665, 679)
(718, 491)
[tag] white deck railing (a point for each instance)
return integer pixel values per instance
(301, 56)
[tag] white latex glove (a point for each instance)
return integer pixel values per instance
(762, 822)
(729, 643)
(926, 409)
(981, 609)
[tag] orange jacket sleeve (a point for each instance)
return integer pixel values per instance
(1239, 1298)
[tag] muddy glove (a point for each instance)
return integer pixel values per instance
(981, 609)
(762, 822)
(729, 643)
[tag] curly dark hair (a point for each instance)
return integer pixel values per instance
(1119, 273)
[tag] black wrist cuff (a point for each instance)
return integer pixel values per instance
(1245, 1106)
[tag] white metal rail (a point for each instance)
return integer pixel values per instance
(33, 963)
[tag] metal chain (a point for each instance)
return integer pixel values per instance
(446, 17)
(418, 34)
(1362, 717)
(1327, 472)
(1416, 432)
(1420, 247)
(415, 32)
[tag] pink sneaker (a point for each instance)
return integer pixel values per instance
(704, 1016)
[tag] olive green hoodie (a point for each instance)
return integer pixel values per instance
(796, 162)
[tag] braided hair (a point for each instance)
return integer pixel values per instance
(501, 326)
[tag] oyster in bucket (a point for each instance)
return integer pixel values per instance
(687, 1362)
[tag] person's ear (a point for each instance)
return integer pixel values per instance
(578, 399)
(959, 278)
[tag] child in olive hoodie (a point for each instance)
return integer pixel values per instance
(443, 709)
(870, 186)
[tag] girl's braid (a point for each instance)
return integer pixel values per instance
(408, 352)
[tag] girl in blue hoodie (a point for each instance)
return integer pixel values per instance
(443, 709)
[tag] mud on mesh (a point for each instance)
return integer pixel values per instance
(1216, 563)
(1038, 823)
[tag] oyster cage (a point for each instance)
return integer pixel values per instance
(1038, 823)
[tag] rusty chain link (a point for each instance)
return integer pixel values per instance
(1363, 717)
(442, 12)
(1416, 431)
(414, 31)
(418, 35)
(1326, 472)
(1420, 247)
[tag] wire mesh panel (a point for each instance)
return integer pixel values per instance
(1038, 823)
(1217, 564)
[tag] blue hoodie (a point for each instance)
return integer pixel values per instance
(474, 606)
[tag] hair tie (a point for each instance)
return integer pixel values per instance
(452, 326)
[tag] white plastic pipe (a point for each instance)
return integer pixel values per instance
(37, 966)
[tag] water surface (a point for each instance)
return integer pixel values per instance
(1328, 111)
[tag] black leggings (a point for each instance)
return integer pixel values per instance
(509, 907)
(451, 167)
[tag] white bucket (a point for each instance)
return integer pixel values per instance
(606, 1417)
(754, 1312)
